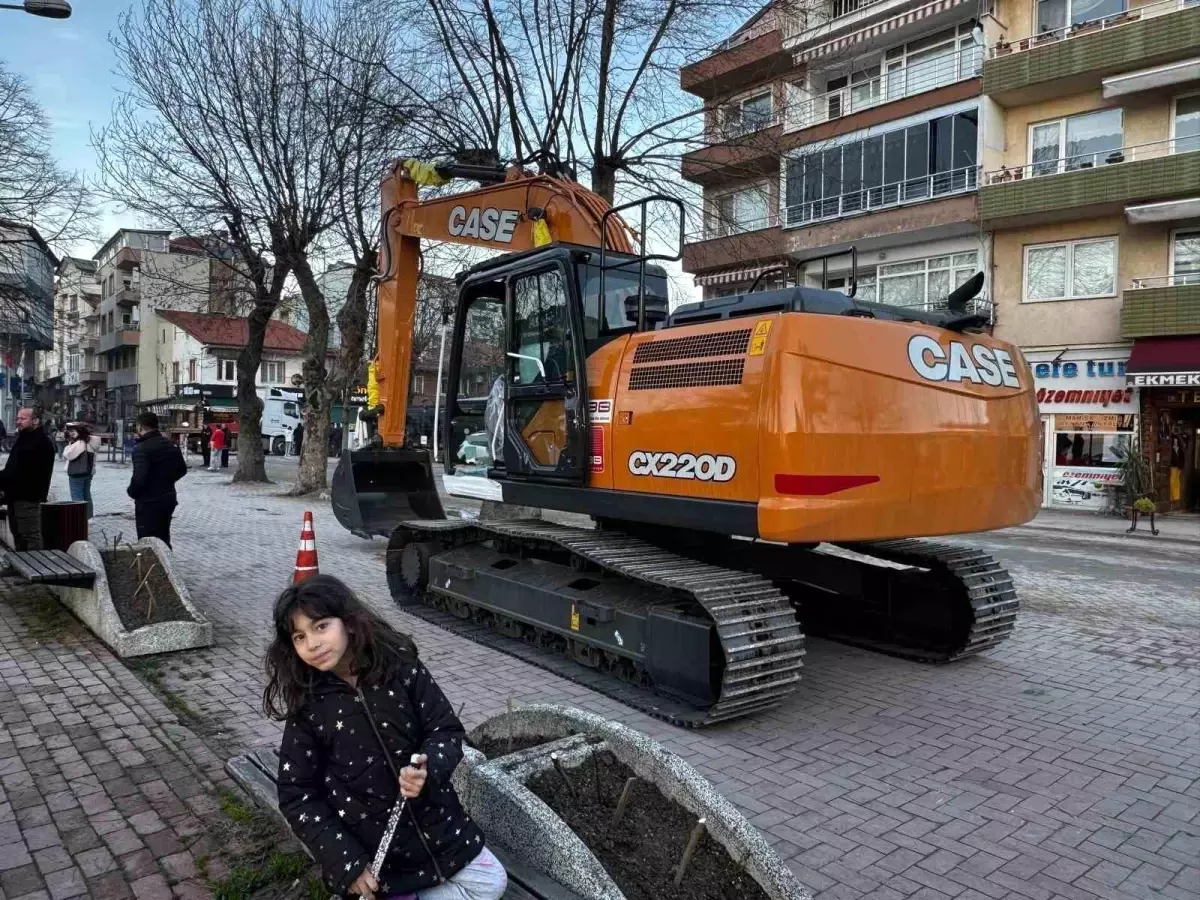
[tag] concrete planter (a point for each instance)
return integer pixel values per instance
(94, 607)
(495, 795)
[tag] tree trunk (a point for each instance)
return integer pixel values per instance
(251, 463)
(314, 452)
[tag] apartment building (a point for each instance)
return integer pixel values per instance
(1051, 144)
(26, 313)
(1091, 191)
(69, 375)
(141, 272)
(832, 124)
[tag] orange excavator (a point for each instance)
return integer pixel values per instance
(752, 464)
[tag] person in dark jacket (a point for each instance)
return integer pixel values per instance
(25, 481)
(357, 702)
(157, 465)
(205, 446)
(225, 448)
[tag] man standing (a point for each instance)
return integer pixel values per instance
(218, 444)
(205, 441)
(228, 439)
(298, 437)
(157, 465)
(25, 480)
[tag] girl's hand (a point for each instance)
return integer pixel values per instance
(365, 885)
(412, 777)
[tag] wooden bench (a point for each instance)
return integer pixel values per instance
(50, 567)
(257, 774)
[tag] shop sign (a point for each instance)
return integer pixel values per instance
(209, 391)
(1089, 422)
(1066, 386)
(1165, 379)
(1083, 487)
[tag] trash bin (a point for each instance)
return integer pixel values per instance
(63, 523)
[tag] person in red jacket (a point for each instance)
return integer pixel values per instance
(218, 444)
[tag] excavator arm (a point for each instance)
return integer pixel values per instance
(520, 211)
(377, 487)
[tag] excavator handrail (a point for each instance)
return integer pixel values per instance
(643, 204)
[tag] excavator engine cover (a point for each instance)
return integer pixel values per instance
(375, 489)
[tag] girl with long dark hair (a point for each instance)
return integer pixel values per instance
(358, 703)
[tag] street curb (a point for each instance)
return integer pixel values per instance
(1137, 535)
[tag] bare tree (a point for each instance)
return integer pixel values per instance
(225, 128)
(34, 191)
(578, 86)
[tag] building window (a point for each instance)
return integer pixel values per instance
(418, 384)
(226, 370)
(1054, 15)
(1075, 270)
(1185, 124)
(907, 165)
(918, 283)
(191, 370)
(738, 212)
(1085, 141)
(1185, 257)
(271, 372)
(747, 115)
(175, 372)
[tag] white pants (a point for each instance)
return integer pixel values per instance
(483, 878)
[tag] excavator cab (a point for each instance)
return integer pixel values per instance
(524, 327)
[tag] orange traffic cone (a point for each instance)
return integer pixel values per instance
(306, 554)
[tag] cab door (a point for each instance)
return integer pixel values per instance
(546, 436)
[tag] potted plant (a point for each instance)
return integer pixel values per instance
(1143, 506)
(1003, 47)
(1115, 157)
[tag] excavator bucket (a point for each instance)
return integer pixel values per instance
(374, 490)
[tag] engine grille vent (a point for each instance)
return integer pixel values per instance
(722, 343)
(693, 374)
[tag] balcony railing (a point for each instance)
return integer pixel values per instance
(907, 82)
(1161, 281)
(873, 199)
(1077, 162)
(731, 131)
(1052, 35)
(715, 230)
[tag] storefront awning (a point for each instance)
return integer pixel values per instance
(1165, 362)
(839, 44)
(732, 276)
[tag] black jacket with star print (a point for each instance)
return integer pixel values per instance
(336, 789)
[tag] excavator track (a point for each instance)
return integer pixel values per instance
(760, 641)
(987, 595)
(917, 599)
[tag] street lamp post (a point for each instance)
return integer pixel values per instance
(47, 9)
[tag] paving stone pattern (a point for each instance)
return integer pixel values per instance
(1064, 764)
(102, 792)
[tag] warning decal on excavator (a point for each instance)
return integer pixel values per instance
(597, 454)
(758, 343)
(600, 412)
(704, 467)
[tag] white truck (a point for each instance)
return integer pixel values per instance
(281, 415)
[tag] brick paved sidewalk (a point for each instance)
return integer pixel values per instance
(103, 793)
(1064, 765)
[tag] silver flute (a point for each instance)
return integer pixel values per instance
(385, 843)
